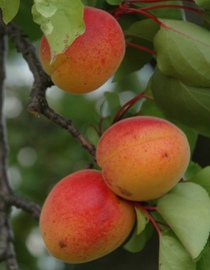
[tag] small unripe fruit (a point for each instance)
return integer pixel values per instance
(142, 157)
(91, 59)
(82, 219)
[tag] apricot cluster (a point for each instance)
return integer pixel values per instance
(90, 213)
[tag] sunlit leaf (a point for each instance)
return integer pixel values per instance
(9, 9)
(142, 220)
(183, 52)
(189, 105)
(186, 209)
(61, 22)
(173, 255)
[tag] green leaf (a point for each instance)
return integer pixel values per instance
(137, 241)
(183, 52)
(23, 16)
(142, 220)
(192, 170)
(173, 255)
(138, 29)
(204, 262)
(9, 9)
(112, 102)
(60, 21)
(203, 3)
(202, 178)
(133, 60)
(165, 11)
(186, 209)
(114, 2)
(137, 35)
(189, 105)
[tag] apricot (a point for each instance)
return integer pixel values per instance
(82, 219)
(142, 157)
(91, 59)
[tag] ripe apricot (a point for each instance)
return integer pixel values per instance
(142, 157)
(82, 219)
(91, 59)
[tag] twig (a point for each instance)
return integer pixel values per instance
(22, 203)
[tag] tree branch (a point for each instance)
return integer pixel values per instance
(37, 102)
(7, 252)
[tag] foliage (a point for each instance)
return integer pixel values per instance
(173, 47)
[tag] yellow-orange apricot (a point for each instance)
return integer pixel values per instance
(82, 219)
(91, 59)
(142, 157)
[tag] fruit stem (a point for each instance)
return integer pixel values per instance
(172, 6)
(139, 47)
(125, 9)
(128, 105)
(150, 217)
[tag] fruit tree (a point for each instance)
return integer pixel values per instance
(104, 134)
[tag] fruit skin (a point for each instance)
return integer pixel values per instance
(142, 157)
(91, 59)
(82, 219)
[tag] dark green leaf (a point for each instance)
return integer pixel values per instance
(202, 178)
(114, 2)
(204, 262)
(138, 29)
(189, 105)
(134, 60)
(203, 3)
(183, 52)
(137, 242)
(192, 170)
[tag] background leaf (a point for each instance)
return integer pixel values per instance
(114, 2)
(203, 3)
(52, 15)
(163, 11)
(9, 9)
(186, 209)
(202, 178)
(204, 262)
(183, 52)
(137, 241)
(189, 105)
(173, 255)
